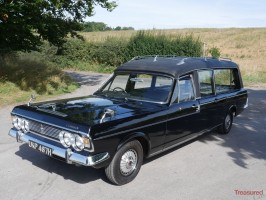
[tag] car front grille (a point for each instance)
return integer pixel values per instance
(44, 129)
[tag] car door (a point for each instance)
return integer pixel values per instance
(184, 113)
(223, 87)
(207, 99)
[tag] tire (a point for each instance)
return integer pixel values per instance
(227, 124)
(126, 163)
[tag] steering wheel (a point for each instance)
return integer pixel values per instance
(119, 88)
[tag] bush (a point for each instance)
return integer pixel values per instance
(31, 74)
(111, 52)
(114, 51)
(146, 43)
(215, 52)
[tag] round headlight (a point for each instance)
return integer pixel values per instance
(15, 121)
(66, 139)
(61, 138)
(69, 139)
(20, 123)
(25, 125)
(79, 143)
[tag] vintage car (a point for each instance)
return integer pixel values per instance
(149, 105)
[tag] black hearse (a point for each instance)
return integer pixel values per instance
(149, 105)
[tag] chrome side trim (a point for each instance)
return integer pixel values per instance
(67, 154)
(179, 143)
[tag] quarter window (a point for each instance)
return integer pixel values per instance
(186, 90)
(205, 82)
(224, 80)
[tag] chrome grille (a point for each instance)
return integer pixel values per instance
(44, 129)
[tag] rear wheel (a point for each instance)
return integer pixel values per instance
(126, 163)
(227, 124)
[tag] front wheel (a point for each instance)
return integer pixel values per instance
(126, 163)
(227, 124)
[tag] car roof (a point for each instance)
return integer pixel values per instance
(173, 66)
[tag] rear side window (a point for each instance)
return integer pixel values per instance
(205, 82)
(186, 90)
(224, 80)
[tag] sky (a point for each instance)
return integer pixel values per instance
(168, 14)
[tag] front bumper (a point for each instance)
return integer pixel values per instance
(57, 152)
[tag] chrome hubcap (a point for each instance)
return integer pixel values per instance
(227, 122)
(128, 162)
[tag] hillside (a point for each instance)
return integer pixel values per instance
(246, 46)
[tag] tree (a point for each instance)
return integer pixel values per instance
(24, 25)
(128, 28)
(118, 28)
(95, 26)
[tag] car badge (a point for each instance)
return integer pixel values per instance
(42, 128)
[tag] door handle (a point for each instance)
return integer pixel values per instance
(197, 107)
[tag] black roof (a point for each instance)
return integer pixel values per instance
(174, 66)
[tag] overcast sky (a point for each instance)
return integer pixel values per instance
(166, 14)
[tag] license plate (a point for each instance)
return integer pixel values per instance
(43, 149)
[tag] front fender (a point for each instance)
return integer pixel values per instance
(143, 139)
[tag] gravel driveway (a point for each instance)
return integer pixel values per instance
(211, 167)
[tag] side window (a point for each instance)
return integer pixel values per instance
(224, 80)
(186, 90)
(205, 82)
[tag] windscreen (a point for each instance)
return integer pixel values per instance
(138, 86)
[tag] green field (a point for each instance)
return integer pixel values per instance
(246, 46)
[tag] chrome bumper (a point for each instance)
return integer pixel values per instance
(246, 105)
(67, 154)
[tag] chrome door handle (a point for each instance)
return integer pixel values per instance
(196, 106)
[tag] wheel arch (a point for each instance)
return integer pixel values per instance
(232, 109)
(141, 137)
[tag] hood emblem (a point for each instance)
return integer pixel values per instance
(32, 98)
(107, 113)
(54, 107)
